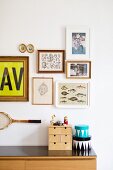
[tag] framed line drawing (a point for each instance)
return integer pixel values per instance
(72, 94)
(77, 42)
(78, 69)
(51, 61)
(42, 91)
(14, 78)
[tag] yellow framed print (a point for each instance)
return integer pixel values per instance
(14, 78)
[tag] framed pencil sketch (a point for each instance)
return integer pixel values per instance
(78, 69)
(51, 61)
(42, 91)
(72, 94)
(77, 42)
(14, 78)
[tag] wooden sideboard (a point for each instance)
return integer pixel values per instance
(39, 158)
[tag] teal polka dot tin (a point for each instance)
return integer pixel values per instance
(82, 131)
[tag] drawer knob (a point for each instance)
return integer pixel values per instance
(54, 127)
(54, 142)
(65, 142)
(65, 128)
(54, 135)
(65, 135)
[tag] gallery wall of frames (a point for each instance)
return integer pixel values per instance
(73, 61)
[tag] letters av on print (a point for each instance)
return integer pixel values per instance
(42, 91)
(14, 78)
(51, 61)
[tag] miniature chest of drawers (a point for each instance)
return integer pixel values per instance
(60, 138)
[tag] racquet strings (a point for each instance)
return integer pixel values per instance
(4, 121)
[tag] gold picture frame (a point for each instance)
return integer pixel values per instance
(51, 61)
(14, 78)
(78, 69)
(42, 91)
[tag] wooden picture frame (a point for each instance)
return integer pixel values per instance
(78, 69)
(77, 42)
(51, 61)
(71, 94)
(42, 91)
(14, 78)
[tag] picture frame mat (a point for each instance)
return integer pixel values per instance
(78, 29)
(72, 106)
(40, 52)
(38, 100)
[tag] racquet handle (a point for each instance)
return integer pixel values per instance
(34, 121)
(26, 121)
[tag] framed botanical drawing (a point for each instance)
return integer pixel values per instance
(78, 69)
(72, 94)
(42, 91)
(14, 78)
(77, 42)
(51, 61)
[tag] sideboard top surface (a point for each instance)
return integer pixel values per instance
(42, 152)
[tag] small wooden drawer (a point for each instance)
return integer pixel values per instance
(60, 146)
(54, 138)
(59, 164)
(58, 130)
(12, 164)
(66, 138)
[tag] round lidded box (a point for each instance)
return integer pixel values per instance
(82, 143)
(82, 131)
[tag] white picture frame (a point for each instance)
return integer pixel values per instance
(77, 42)
(71, 94)
(42, 91)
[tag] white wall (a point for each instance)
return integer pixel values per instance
(42, 23)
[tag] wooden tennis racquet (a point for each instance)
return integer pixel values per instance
(6, 120)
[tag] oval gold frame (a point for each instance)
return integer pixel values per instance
(22, 48)
(30, 48)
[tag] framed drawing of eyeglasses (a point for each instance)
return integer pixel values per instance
(51, 61)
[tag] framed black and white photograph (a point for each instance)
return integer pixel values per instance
(78, 69)
(72, 94)
(51, 61)
(77, 42)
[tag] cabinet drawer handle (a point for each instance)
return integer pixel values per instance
(65, 135)
(54, 135)
(54, 143)
(65, 128)
(54, 127)
(65, 142)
